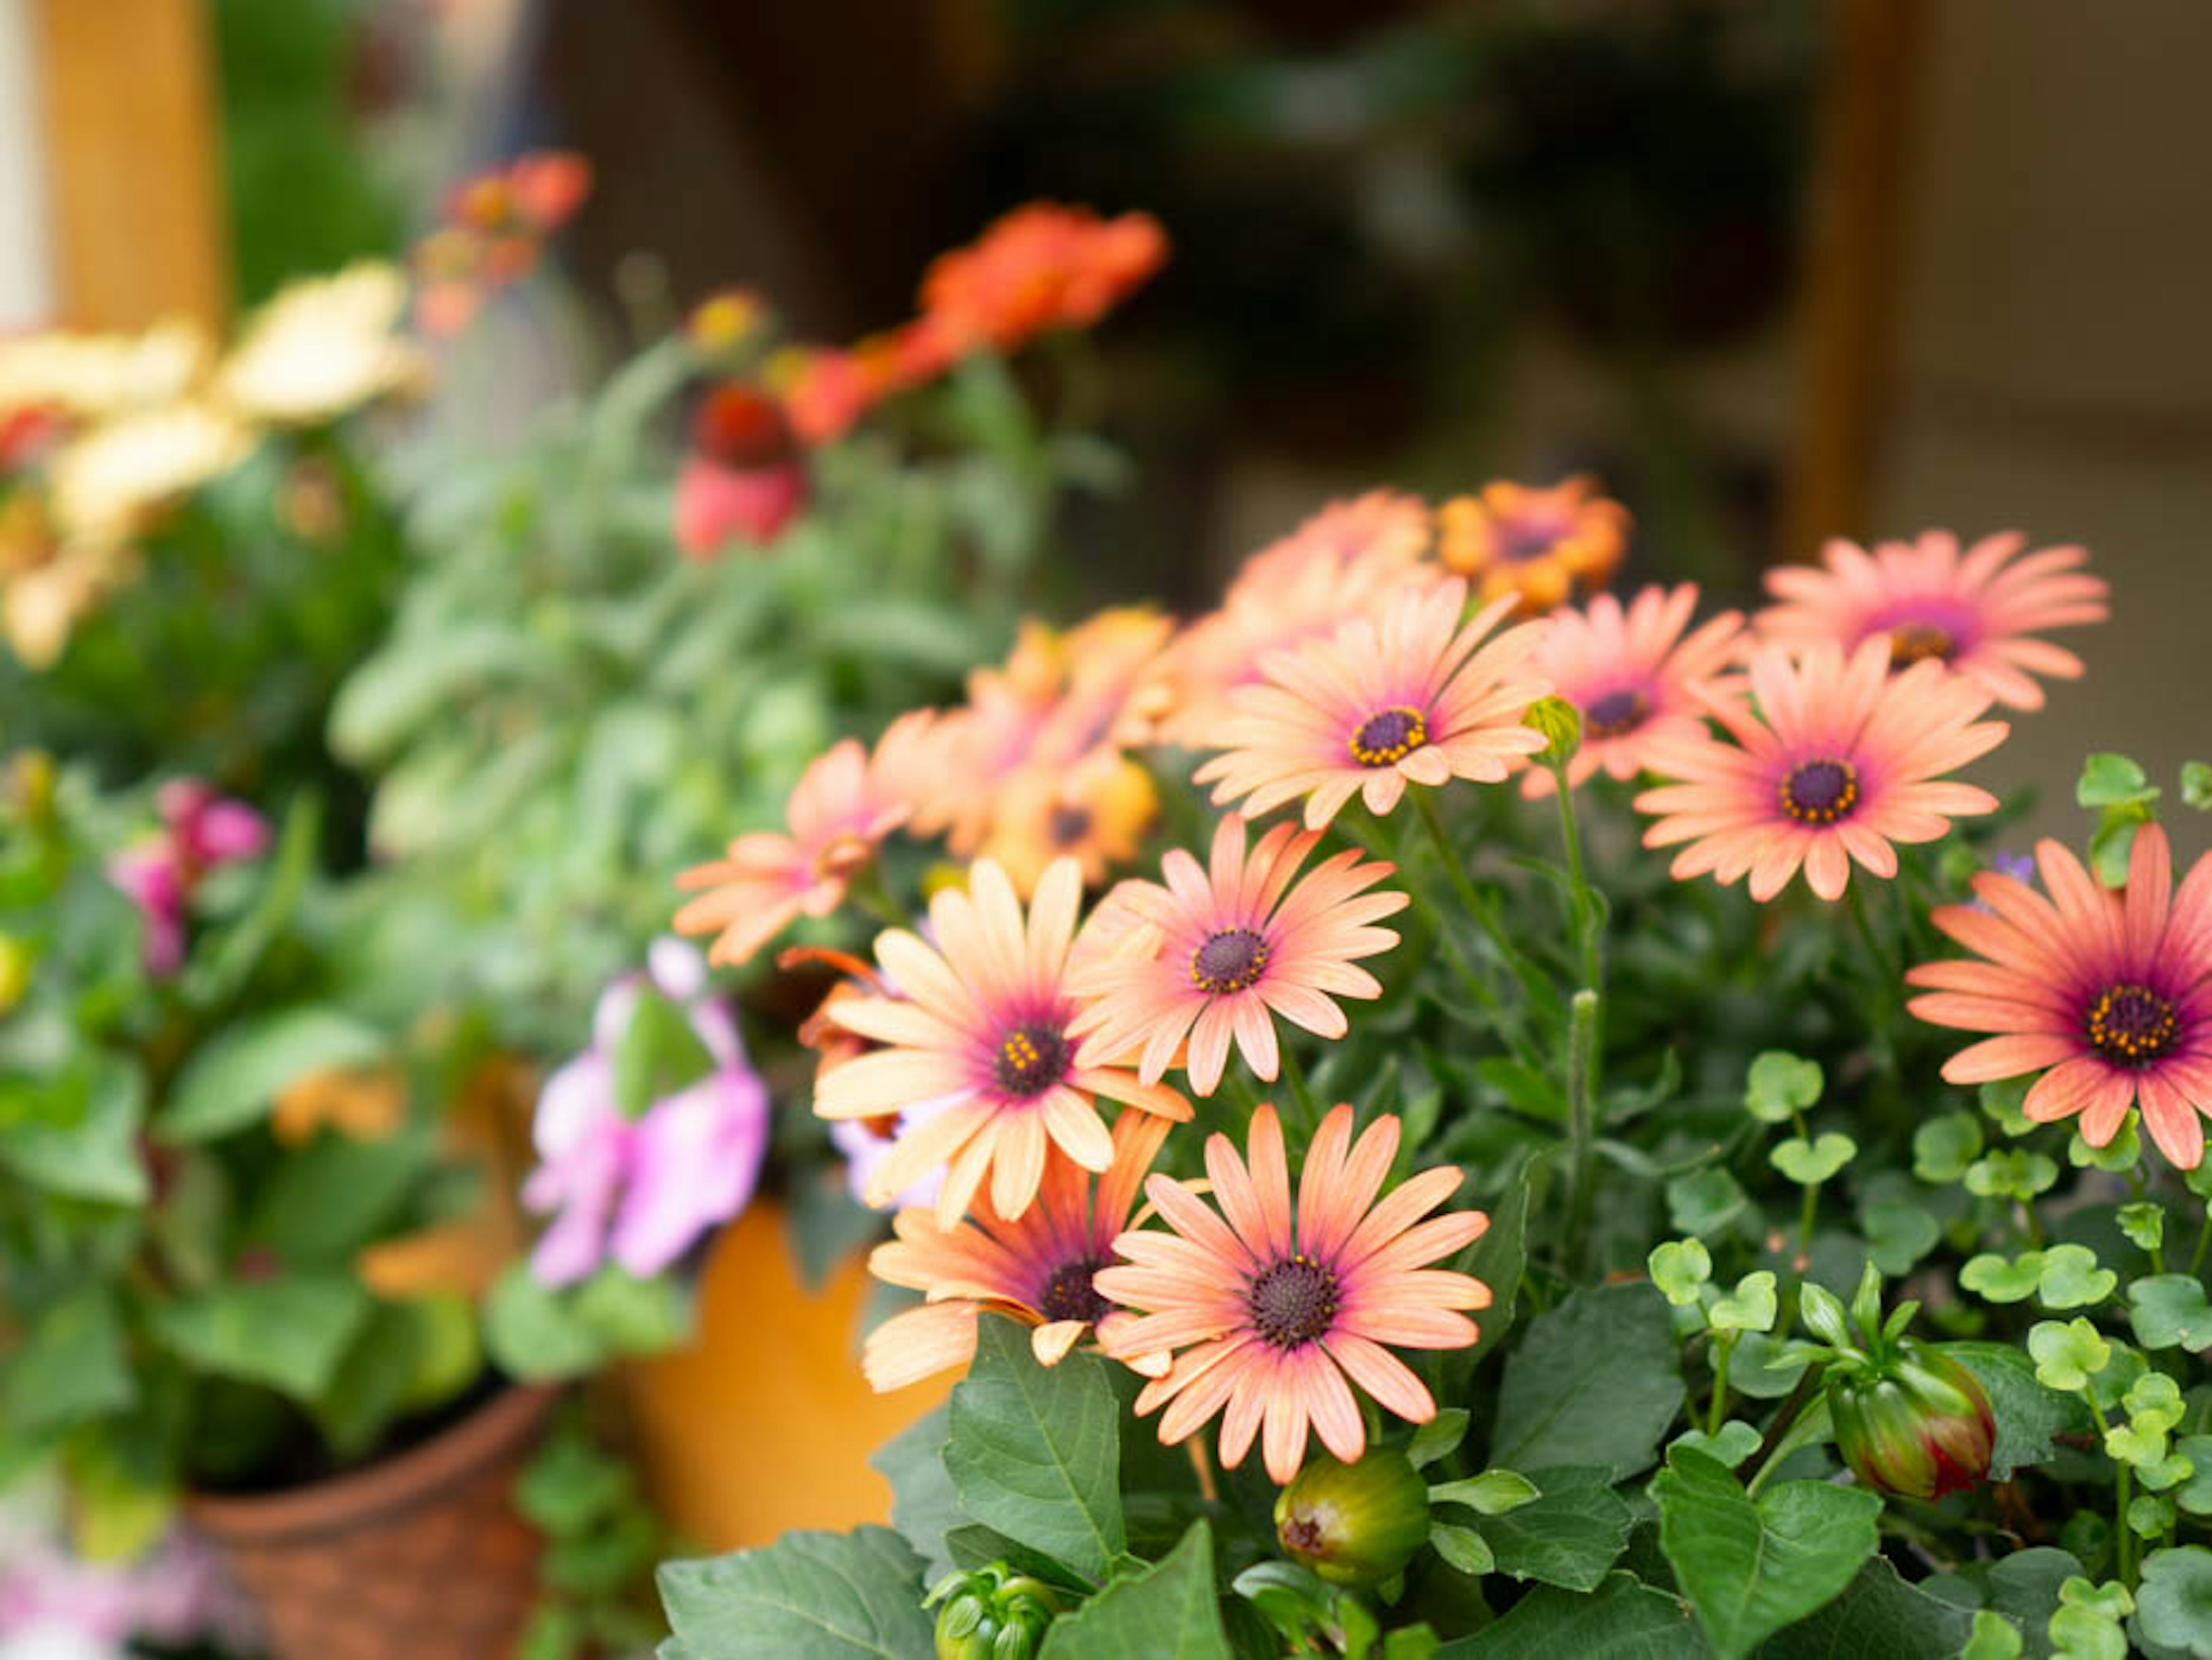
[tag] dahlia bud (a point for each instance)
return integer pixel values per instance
(1917, 1424)
(992, 1614)
(1560, 724)
(1354, 1525)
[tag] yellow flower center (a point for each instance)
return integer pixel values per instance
(1032, 1057)
(1913, 643)
(1388, 736)
(2131, 1025)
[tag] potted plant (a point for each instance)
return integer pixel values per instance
(1588, 1140)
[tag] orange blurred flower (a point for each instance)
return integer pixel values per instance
(1041, 266)
(1546, 546)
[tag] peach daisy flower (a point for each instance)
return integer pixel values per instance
(983, 1034)
(1629, 673)
(1036, 1268)
(1980, 611)
(1842, 760)
(2108, 996)
(1546, 546)
(1410, 695)
(1226, 951)
(1274, 1313)
(1096, 810)
(1343, 562)
(844, 806)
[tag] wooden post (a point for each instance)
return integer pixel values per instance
(126, 88)
(1851, 269)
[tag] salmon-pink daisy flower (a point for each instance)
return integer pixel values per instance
(1546, 546)
(845, 804)
(1629, 673)
(1409, 696)
(1980, 611)
(984, 1034)
(1273, 1313)
(2108, 996)
(1841, 760)
(1036, 1268)
(1227, 951)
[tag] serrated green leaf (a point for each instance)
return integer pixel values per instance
(1596, 1380)
(1169, 1610)
(1571, 1535)
(2030, 1415)
(808, 1597)
(1623, 1620)
(1878, 1615)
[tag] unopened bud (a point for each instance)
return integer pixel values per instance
(1561, 725)
(1918, 1424)
(1354, 1525)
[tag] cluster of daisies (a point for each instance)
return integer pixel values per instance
(1373, 652)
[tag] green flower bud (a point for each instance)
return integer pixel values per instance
(1916, 1423)
(1561, 725)
(992, 1614)
(1354, 1525)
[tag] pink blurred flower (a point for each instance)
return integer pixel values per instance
(742, 477)
(200, 831)
(640, 1190)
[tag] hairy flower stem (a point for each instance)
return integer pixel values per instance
(1582, 902)
(1582, 1121)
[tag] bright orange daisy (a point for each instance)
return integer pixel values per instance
(1980, 612)
(1841, 761)
(1546, 546)
(2108, 996)
(1227, 951)
(1410, 695)
(1095, 810)
(1629, 672)
(983, 1036)
(844, 806)
(1036, 1268)
(1274, 1312)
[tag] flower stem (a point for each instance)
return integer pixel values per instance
(2203, 1239)
(2123, 1539)
(1470, 896)
(1582, 915)
(1294, 1077)
(1723, 1351)
(1582, 1121)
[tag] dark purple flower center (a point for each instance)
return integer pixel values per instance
(1524, 539)
(1232, 960)
(1820, 792)
(1070, 1295)
(1389, 735)
(1032, 1057)
(2131, 1025)
(1068, 825)
(1294, 1302)
(1616, 713)
(1914, 642)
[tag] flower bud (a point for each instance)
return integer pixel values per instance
(1561, 725)
(1354, 1525)
(994, 1614)
(1918, 1426)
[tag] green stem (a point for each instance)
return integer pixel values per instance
(1470, 896)
(1294, 1077)
(1808, 1212)
(2029, 1225)
(1723, 1351)
(1582, 1122)
(1583, 912)
(2123, 1539)
(2203, 1239)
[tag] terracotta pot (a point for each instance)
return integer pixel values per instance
(421, 1555)
(765, 1423)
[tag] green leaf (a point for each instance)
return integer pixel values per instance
(1679, 1267)
(808, 1597)
(234, 1080)
(2109, 780)
(2030, 1415)
(1993, 1638)
(630, 1316)
(69, 1364)
(1736, 1442)
(1878, 1615)
(2194, 1492)
(924, 1506)
(96, 1156)
(1751, 1567)
(1034, 1451)
(287, 1333)
(1463, 1548)
(1705, 1201)
(2000, 1280)
(2168, 1310)
(1808, 1164)
(658, 1055)
(1569, 1535)
(1493, 1493)
(2024, 1588)
(1780, 1086)
(1943, 1147)
(2145, 1227)
(1596, 1380)
(322, 1203)
(2174, 1604)
(2072, 1279)
(532, 1334)
(2196, 785)
(1499, 1258)
(1437, 1438)
(2067, 1353)
(1623, 1620)
(1168, 1612)
(2011, 1173)
(1750, 1307)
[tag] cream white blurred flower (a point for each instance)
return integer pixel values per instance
(93, 375)
(108, 482)
(324, 347)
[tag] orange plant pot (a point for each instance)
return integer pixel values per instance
(765, 1423)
